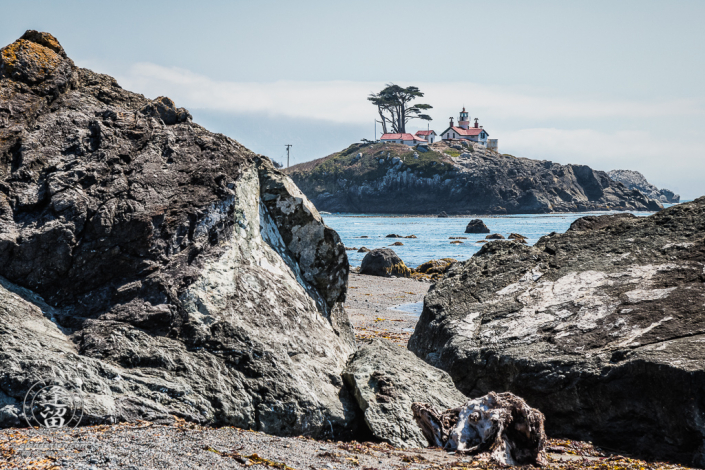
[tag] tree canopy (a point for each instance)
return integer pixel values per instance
(395, 108)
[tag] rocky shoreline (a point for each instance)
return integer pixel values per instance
(179, 444)
(178, 282)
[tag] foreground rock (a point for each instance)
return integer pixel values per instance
(166, 269)
(635, 180)
(384, 262)
(386, 379)
(390, 178)
(476, 226)
(497, 427)
(601, 328)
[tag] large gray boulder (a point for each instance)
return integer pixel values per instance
(601, 328)
(384, 262)
(386, 380)
(167, 269)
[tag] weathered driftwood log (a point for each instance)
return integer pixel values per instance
(498, 426)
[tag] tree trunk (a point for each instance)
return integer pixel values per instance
(383, 122)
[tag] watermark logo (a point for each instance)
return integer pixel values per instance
(52, 404)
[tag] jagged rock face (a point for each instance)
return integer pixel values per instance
(386, 380)
(391, 178)
(601, 328)
(635, 180)
(168, 268)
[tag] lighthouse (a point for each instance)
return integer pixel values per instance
(463, 120)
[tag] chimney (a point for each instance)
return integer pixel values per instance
(451, 122)
(475, 123)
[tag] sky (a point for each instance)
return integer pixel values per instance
(614, 85)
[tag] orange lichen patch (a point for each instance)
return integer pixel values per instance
(45, 39)
(28, 60)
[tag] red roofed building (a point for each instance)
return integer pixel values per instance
(464, 131)
(406, 139)
(430, 136)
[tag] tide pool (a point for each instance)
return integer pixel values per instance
(433, 233)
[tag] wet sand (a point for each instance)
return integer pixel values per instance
(369, 306)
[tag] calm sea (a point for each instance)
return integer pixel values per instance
(433, 233)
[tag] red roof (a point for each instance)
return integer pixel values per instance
(470, 131)
(425, 132)
(401, 137)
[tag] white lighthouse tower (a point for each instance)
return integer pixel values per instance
(463, 120)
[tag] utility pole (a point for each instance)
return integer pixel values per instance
(287, 154)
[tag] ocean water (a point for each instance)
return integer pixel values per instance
(433, 233)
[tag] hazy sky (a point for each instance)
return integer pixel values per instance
(609, 84)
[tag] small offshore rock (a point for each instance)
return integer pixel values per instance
(397, 244)
(495, 236)
(476, 226)
(363, 250)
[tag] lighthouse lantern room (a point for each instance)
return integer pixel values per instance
(463, 120)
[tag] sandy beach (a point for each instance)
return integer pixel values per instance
(370, 305)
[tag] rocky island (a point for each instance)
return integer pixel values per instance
(457, 179)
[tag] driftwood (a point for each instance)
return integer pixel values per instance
(498, 426)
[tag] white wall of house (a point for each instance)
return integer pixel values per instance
(405, 142)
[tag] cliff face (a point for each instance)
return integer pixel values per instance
(602, 328)
(168, 269)
(392, 178)
(635, 180)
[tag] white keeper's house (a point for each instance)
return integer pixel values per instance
(429, 135)
(406, 139)
(464, 131)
